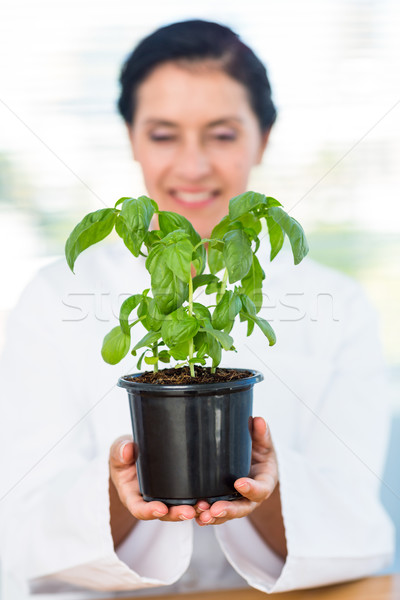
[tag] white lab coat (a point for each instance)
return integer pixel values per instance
(324, 397)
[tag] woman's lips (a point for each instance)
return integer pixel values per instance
(195, 198)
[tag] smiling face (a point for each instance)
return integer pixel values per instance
(196, 139)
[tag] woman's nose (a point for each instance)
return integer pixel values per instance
(192, 162)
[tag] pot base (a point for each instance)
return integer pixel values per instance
(192, 501)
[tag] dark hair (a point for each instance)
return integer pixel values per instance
(198, 40)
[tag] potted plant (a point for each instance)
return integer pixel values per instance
(190, 422)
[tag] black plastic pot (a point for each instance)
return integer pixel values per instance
(194, 440)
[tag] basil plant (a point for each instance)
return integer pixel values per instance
(176, 257)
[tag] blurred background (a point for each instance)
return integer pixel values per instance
(333, 157)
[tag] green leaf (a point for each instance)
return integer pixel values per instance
(165, 261)
(276, 236)
(149, 314)
(126, 308)
(265, 328)
(169, 291)
(154, 318)
(199, 259)
(121, 200)
(164, 356)
(250, 327)
(250, 221)
(249, 312)
(201, 280)
(152, 237)
(196, 360)
(93, 228)
(221, 228)
(201, 312)
(179, 329)
(133, 222)
(148, 340)
(221, 317)
(248, 305)
(235, 305)
(214, 350)
(178, 256)
(215, 260)
(171, 221)
(174, 236)
(237, 254)
(139, 362)
(293, 230)
(244, 203)
(154, 255)
(223, 338)
(251, 284)
(151, 360)
(143, 310)
(180, 351)
(214, 287)
(115, 345)
(249, 201)
(207, 345)
(200, 343)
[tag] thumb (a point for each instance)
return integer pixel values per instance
(123, 452)
(261, 434)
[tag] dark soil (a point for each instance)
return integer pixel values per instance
(182, 376)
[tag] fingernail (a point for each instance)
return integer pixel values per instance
(221, 514)
(121, 451)
(157, 513)
(184, 518)
(243, 487)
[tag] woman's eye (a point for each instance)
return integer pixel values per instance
(162, 137)
(225, 136)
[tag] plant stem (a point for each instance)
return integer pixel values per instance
(191, 365)
(224, 282)
(155, 353)
(203, 241)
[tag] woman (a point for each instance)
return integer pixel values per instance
(198, 109)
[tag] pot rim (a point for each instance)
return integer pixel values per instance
(132, 386)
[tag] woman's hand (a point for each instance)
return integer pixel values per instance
(256, 488)
(123, 475)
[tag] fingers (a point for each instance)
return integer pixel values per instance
(155, 509)
(145, 511)
(122, 459)
(261, 435)
(224, 510)
(256, 490)
(122, 452)
(180, 513)
(123, 455)
(201, 506)
(253, 491)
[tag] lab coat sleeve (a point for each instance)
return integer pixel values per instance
(54, 485)
(336, 529)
